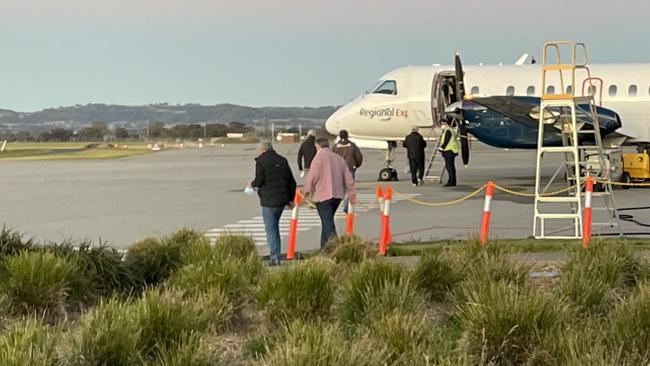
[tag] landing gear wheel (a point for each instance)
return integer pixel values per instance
(387, 175)
(625, 178)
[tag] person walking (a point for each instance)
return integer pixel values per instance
(352, 156)
(449, 149)
(327, 182)
(415, 144)
(276, 188)
(307, 152)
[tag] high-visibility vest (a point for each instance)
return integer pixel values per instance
(452, 145)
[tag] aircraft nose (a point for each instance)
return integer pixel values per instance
(333, 123)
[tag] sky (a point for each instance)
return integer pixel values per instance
(278, 52)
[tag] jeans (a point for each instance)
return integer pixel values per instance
(271, 217)
(326, 211)
(417, 169)
(347, 199)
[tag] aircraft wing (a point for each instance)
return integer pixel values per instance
(525, 110)
(515, 108)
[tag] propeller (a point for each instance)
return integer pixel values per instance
(460, 92)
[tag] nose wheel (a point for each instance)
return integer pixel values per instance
(389, 174)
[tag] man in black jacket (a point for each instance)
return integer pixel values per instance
(307, 152)
(415, 144)
(276, 188)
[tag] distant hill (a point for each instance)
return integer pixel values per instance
(82, 115)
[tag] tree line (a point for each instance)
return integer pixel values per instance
(99, 131)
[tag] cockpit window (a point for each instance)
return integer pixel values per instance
(388, 87)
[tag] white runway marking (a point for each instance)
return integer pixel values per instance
(307, 219)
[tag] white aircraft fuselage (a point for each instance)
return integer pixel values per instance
(414, 96)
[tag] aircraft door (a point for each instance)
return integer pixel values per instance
(443, 93)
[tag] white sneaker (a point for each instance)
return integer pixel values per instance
(415, 185)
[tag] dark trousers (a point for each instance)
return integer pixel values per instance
(450, 166)
(417, 169)
(326, 210)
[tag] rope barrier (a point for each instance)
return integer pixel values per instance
(496, 186)
(623, 184)
(436, 204)
(525, 194)
(309, 202)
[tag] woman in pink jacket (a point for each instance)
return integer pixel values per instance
(327, 182)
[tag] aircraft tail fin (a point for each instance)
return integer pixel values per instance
(522, 59)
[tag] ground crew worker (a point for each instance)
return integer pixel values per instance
(415, 144)
(349, 151)
(276, 188)
(449, 149)
(307, 152)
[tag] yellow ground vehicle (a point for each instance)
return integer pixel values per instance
(636, 167)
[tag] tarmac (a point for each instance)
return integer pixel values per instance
(124, 200)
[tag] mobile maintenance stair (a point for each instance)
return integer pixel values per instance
(432, 158)
(558, 110)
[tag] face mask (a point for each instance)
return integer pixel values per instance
(249, 190)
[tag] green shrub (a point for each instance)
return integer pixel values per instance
(153, 261)
(12, 242)
(302, 291)
(104, 270)
(316, 344)
(108, 335)
(27, 343)
(187, 238)
(237, 246)
(589, 294)
(197, 253)
(583, 344)
(37, 282)
(409, 339)
(258, 345)
(189, 351)
(377, 288)
(488, 268)
(164, 319)
(224, 274)
(613, 262)
(506, 325)
(251, 264)
(349, 249)
(629, 328)
(215, 305)
(498, 269)
(472, 249)
(436, 277)
(591, 276)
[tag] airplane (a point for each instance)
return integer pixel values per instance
(500, 107)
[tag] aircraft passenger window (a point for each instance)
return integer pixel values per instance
(388, 87)
(592, 90)
(550, 89)
(569, 89)
(612, 90)
(530, 91)
(510, 91)
(632, 90)
(475, 90)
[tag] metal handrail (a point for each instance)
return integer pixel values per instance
(560, 65)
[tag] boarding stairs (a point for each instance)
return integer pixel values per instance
(432, 158)
(558, 110)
